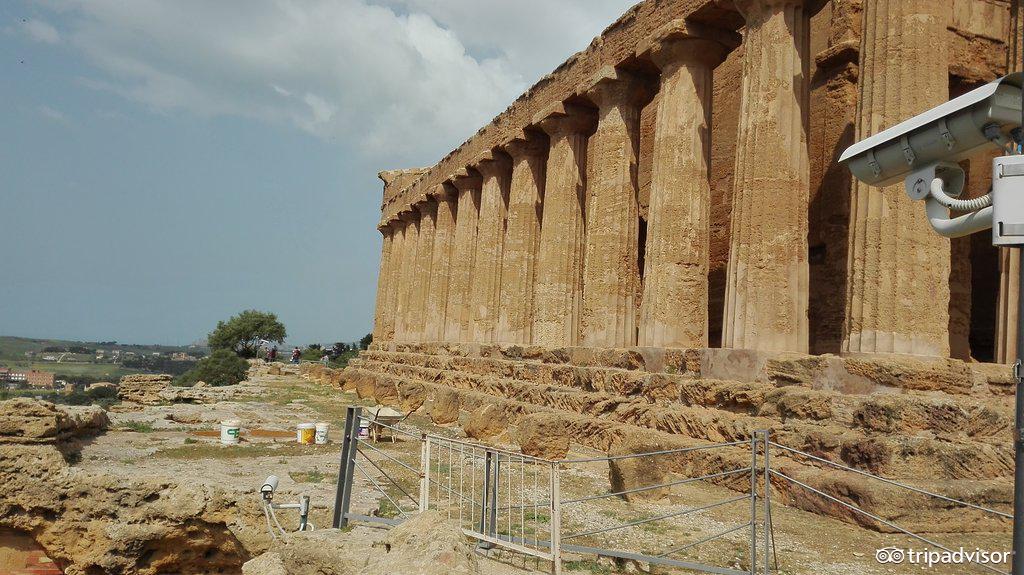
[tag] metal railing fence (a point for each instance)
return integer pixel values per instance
(543, 508)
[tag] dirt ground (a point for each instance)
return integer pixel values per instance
(182, 440)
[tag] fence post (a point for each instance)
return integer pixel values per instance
(753, 504)
(493, 503)
(424, 472)
(486, 497)
(556, 521)
(766, 439)
(346, 467)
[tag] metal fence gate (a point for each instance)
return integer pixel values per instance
(516, 502)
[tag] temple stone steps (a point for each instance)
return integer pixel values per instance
(893, 454)
(378, 380)
(848, 375)
(881, 412)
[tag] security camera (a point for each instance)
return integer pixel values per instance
(924, 150)
(269, 487)
(960, 128)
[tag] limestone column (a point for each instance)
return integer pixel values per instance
(457, 315)
(1009, 259)
(767, 279)
(522, 237)
(421, 269)
(406, 276)
(440, 266)
(394, 278)
(485, 291)
(380, 306)
(675, 301)
(898, 287)
(610, 265)
(558, 279)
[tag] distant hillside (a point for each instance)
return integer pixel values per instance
(90, 359)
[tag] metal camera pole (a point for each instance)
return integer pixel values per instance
(1018, 432)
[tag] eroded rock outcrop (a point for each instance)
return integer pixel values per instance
(90, 523)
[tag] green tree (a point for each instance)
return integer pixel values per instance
(366, 340)
(222, 367)
(242, 333)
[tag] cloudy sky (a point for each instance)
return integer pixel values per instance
(167, 164)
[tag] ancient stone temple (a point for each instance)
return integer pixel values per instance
(657, 236)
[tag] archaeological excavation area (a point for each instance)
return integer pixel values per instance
(654, 247)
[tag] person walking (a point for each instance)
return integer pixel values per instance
(296, 354)
(273, 353)
(325, 359)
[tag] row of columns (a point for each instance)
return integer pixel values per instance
(537, 242)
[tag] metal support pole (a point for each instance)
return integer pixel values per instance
(753, 505)
(556, 521)
(424, 472)
(1018, 435)
(346, 467)
(767, 499)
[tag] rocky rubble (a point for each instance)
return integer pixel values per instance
(425, 544)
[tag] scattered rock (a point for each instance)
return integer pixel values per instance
(425, 544)
(143, 388)
(411, 396)
(486, 422)
(633, 472)
(101, 385)
(543, 435)
(270, 563)
(446, 407)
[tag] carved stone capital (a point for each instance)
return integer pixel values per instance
(427, 206)
(529, 144)
(444, 191)
(561, 119)
(465, 179)
(682, 41)
(756, 8)
(492, 163)
(611, 86)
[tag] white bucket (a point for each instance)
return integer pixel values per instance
(230, 429)
(305, 433)
(321, 433)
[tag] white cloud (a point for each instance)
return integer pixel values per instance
(41, 31)
(398, 80)
(52, 114)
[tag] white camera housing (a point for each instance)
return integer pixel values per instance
(269, 487)
(953, 131)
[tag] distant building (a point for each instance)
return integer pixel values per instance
(39, 379)
(14, 377)
(181, 356)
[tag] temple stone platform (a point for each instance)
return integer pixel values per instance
(939, 424)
